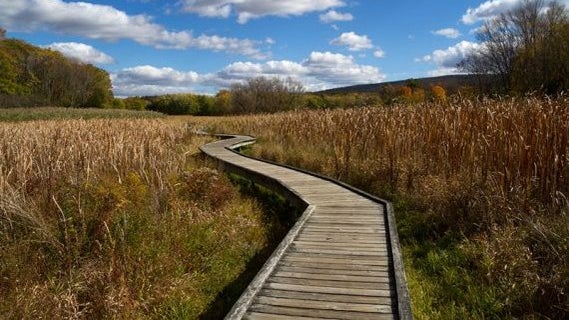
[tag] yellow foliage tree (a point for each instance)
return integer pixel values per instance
(406, 92)
(439, 93)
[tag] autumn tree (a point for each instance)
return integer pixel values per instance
(265, 95)
(32, 76)
(525, 48)
(222, 103)
(439, 93)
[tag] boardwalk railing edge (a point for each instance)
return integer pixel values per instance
(239, 308)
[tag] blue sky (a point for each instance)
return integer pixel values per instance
(154, 47)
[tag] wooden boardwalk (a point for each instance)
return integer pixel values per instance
(341, 259)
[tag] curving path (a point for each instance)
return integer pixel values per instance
(341, 260)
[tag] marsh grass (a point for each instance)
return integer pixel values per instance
(480, 187)
(117, 219)
(55, 113)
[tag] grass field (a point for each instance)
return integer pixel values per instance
(480, 190)
(53, 113)
(119, 219)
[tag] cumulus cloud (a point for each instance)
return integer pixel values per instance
(450, 33)
(107, 23)
(321, 70)
(353, 41)
(492, 8)
(379, 53)
(447, 59)
(150, 80)
(250, 9)
(333, 16)
(82, 52)
(336, 69)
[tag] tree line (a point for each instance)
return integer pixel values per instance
(32, 76)
(526, 49)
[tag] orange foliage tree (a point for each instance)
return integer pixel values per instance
(439, 93)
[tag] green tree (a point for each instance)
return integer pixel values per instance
(34, 76)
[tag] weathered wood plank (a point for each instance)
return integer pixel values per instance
(333, 266)
(333, 290)
(348, 261)
(268, 316)
(349, 253)
(324, 296)
(346, 239)
(321, 271)
(338, 244)
(331, 314)
(341, 249)
(330, 283)
(325, 305)
(336, 277)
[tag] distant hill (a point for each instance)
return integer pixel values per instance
(451, 83)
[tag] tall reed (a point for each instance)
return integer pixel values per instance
(116, 219)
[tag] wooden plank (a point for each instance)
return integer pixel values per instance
(315, 255)
(345, 261)
(355, 225)
(330, 283)
(337, 277)
(347, 253)
(325, 305)
(347, 220)
(331, 314)
(337, 244)
(340, 238)
(341, 249)
(321, 271)
(332, 290)
(320, 227)
(342, 207)
(341, 233)
(334, 266)
(325, 297)
(268, 316)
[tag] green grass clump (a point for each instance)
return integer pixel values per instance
(54, 113)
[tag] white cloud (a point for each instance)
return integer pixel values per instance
(82, 52)
(353, 41)
(450, 33)
(379, 53)
(333, 16)
(492, 8)
(107, 23)
(321, 70)
(250, 9)
(334, 69)
(150, 80)
(447, 59)
(488, 9)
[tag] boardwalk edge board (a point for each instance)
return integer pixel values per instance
(239, 309)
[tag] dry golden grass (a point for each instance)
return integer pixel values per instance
(116, 219)
(492, 173)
